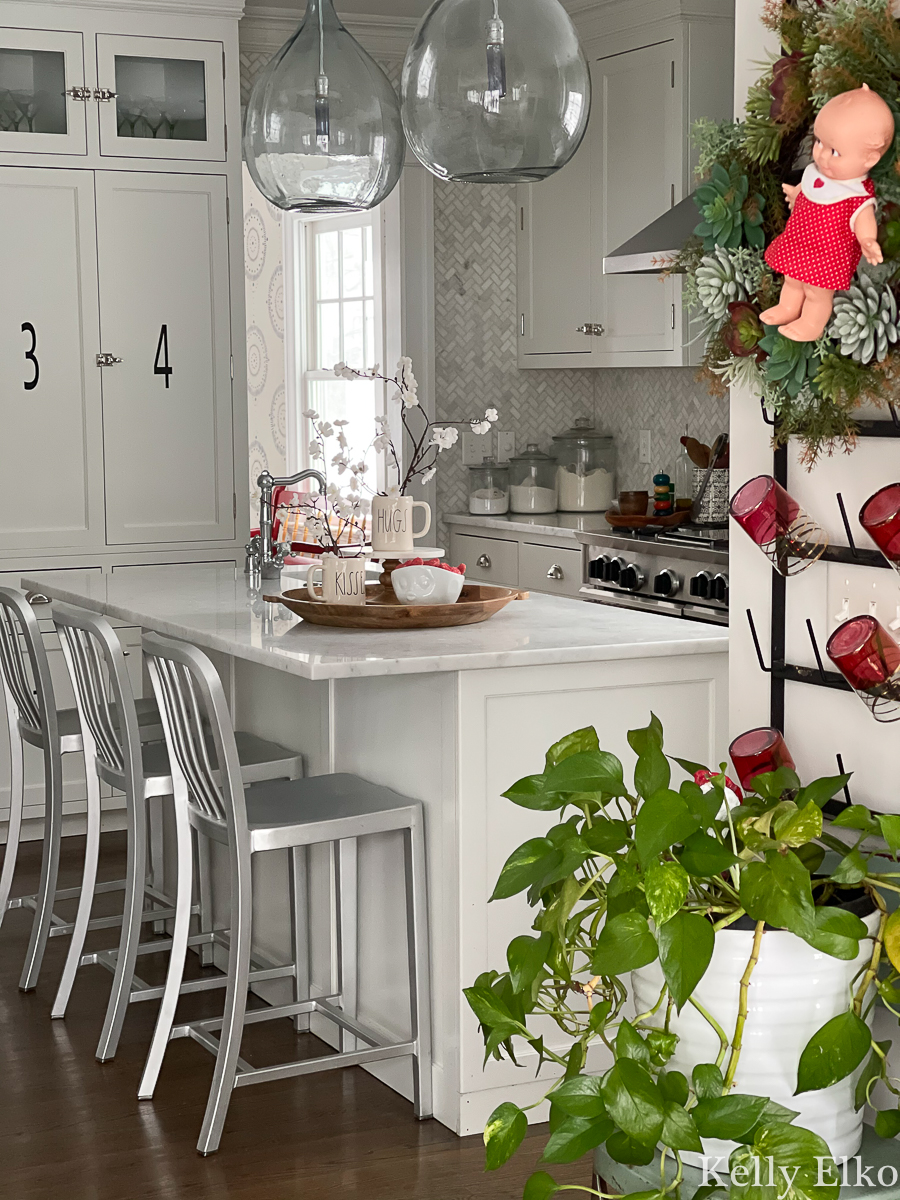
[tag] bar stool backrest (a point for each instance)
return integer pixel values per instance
(96, 663)
(24, 667)
(189, 694)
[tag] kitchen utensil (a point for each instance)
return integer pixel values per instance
(718, 446)
(476, 603)
(698, 452)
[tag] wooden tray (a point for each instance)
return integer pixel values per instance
(619, 521)
(383, 610)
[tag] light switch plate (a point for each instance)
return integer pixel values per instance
(506, 447)
(862, 591)
(645, 456)
(476, 447)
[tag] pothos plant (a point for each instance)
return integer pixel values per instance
(631, 874)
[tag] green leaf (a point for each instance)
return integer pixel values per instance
(526, 956)
(573, 743)
(702, 805)
(666, 887)
(674, 1087)
(574, 852)
(837, 933)
(630, 1044)
(679, 1130)
(728, 1117)
(540, 1186)
(661, 1046)
(580, 1097)
(526, 865)
(503, 1134)
(890, 830)
(703, 855)
(887, 1123)
(651, 735)
(821, 790)
(781, 1147)
(530, 793)
(707, 1080)
(606, 836)
(686, 944)
(652, 772)
(810, 856)
(662, 821)
(634, 1101)
(855, 816)
(599, 1016)
(851, 869)
(874, 1069)
(623, 1149)
(778, 892)
(798, 827)
(686, 765)
(624, 896)
(892, 938)
(587, 771)
(575, 1137)
(773, 784)
(625, 943)
(488, 1007)
(833, 1052)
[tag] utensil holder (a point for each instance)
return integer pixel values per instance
(714, 509)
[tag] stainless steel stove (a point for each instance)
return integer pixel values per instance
(680, 572)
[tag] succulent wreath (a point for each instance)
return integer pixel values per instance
(813, 388)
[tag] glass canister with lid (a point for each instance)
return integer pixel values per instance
(489, 489)
(532, 481)
(585, 468)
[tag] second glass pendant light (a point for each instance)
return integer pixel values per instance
(323, 131)
(495, 91)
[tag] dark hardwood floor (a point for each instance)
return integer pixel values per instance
(72, 1129)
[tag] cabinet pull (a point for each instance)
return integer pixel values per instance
(556, 572)
(79, 93)
(484, 562)
(107, 360)
(102, 95)
(591, 329)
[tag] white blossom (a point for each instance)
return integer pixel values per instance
(342, 440)
(339, 368)
(492, 415)
(481, 427)
(326, 430)
(428, 475)
(444, 438)
(361, 468)
(340, 424)
(382, 422)
(382, 443)
(310, 414)
(315, 450)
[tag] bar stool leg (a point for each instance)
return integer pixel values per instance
(131, 930)
(16, 801)
(157, 875)
(40, 928)
(346, 876)
(298, 876)
(419, 967)
(88, 882)
(183, 900)
(204, 889)
(235, 1003)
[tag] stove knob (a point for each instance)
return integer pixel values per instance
(701, 584)
(597, 566)
(613, 570)
(667, 583)
(631, 578)
(719, 589)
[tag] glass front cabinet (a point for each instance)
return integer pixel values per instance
(42, 92)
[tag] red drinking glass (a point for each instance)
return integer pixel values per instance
(880, 518)
(868, 657)
(773, 519)
(757, 752)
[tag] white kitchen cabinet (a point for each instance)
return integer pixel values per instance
(167, 406)
(51, 457)
(650, 83)
(41, 78)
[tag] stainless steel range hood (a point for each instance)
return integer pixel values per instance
(657, 245)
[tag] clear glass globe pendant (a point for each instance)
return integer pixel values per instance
(323, 131)
(495, 91)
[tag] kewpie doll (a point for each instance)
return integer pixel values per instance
(832, 222)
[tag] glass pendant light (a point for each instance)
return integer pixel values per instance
(495, 91)
(323, 131)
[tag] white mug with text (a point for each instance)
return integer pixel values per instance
(392, 524)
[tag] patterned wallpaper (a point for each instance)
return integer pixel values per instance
(264, 292)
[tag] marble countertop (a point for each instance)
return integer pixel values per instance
(558, 526)
(213, 607)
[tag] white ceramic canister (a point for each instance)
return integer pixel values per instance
(794, 990)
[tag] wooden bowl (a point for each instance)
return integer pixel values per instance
(621, 521)
(383, 610)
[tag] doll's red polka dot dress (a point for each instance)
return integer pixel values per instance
(818, 245)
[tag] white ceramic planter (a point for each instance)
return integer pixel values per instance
(794, 990)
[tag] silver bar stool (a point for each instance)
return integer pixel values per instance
(32, 718)
(114, 754)
(249, 820)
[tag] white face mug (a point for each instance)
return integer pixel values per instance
(392, 524)
(343, 580)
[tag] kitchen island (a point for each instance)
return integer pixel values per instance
(452, 718)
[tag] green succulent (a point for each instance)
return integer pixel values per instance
(790, 365)
(720, 281)
(730, 213)
(865, 322)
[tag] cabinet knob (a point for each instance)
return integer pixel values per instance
(555, 572)
(107, 360)
(591, 329)
(484, 562)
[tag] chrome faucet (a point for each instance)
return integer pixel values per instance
(263, 556)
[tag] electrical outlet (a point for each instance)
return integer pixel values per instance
(862, 591)
(506, 447)
(476, 447)
(645, 455)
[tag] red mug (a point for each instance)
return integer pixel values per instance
(757, 752)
